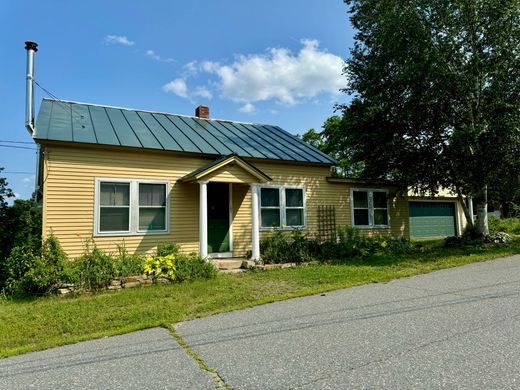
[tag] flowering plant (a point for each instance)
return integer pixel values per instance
(160, 266)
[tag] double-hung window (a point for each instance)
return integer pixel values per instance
(369, 208)
(130, 207)
(282, 206)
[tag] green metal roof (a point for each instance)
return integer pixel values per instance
(104, 125)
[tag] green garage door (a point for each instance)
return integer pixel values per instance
(432, 219)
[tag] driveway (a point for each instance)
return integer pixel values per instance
(456, 328)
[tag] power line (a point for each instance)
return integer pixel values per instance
(62, 103)
(17, 147)
(19, 172)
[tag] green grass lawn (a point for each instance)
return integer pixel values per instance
(39, 323)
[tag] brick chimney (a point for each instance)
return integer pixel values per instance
(202, 112)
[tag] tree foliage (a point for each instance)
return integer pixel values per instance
(330, 141)
(436, 93)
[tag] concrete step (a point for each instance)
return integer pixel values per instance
(228, 264)
(232, 271)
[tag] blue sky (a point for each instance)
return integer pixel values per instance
(269, 61)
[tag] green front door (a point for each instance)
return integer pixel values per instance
(218, 217)
(432, 219)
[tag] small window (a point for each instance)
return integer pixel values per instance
(294, 211)
(282, 207)
(270, 207)
(130, 207)
(114, 210)
(152, 207)
(370, 208)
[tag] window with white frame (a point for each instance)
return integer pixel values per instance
(282, 206)
(369, 208)
(130, 207)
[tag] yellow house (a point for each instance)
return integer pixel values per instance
(143, 178)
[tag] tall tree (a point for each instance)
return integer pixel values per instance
(330, 141)
(436, 94)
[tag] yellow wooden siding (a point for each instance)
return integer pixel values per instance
(70, 175)
(241, 221)
(230, 173)
(69, 185)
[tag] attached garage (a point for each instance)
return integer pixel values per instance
(432, 219)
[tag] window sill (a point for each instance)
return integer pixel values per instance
(375, 227)
(287, 228)
(116, 234)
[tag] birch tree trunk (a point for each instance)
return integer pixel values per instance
(482, 216)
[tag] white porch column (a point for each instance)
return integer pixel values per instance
(203, 218)
(255, 223)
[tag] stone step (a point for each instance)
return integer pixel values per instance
(227, 264)
(232, 271)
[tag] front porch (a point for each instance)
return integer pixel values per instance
(228, 205)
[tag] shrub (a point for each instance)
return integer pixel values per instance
(30, 270)
(192, 267)
(346, 243)
(94, 269)
(498, 238)
(161, 266)
(20, 226)
(128, 264)
(168, 249)
(275, 248)
(506, 225)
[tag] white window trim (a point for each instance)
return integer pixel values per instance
(134, 207)
(281, 193)
(370, 192)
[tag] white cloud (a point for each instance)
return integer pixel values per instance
(178, 87)
(191, 68)
(157, 57)
(118, 40)
(247, 108)
(203, 92)
(280, 75)
(28, 179)
(16, 195)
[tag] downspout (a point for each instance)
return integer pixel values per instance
(31, 48)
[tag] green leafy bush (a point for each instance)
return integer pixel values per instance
(94, 269)
(161, 266)
(128, 264)
(506, 225)
(275, 248)
(30, 270)
(20, 226)
(168, 249)
(192, 267)
(348, 242)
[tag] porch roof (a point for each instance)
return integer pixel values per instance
(214, 167)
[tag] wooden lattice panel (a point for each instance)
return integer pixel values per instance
(326, 222)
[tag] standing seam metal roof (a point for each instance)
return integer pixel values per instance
(104, 125)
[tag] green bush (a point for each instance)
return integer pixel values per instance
(30, 270)
(20, 226)
(275, 248)
(161, 266)
(348, 242)
(128, 264)
(506, 225)
(192, 267)
(94, 269)
(168, 249)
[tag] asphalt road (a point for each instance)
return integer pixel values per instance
(456, 328)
